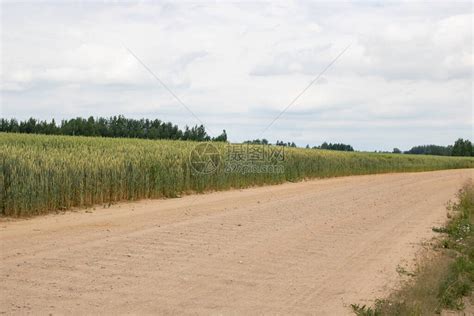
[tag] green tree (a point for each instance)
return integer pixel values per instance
(221, 138)
(463, 148)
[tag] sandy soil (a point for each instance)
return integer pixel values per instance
(312, 247)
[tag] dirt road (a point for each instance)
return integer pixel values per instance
(312, 247)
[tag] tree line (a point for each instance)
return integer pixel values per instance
(335, 146)
(264, 141)
(325, 145)
(120, 126)
(115, 126)
(461, 147)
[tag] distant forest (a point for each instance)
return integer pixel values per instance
(336, 146)
(115, 126)
(120, 126)
(460, 148)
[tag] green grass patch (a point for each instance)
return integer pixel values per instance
(444, 279)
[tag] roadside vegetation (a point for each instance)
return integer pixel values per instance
(446, 279)
(40, 173)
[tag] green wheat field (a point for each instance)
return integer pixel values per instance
(40, 174)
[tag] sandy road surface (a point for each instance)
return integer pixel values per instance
(303, 248)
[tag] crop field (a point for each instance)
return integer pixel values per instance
(41, 173)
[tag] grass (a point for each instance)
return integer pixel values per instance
(40, 174)
(443, 280)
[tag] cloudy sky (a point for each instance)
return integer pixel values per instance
(406, 78)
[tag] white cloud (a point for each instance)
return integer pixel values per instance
(405, 80)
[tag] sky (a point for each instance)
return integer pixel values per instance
(386, 73)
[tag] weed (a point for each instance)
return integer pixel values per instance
(440, 282)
